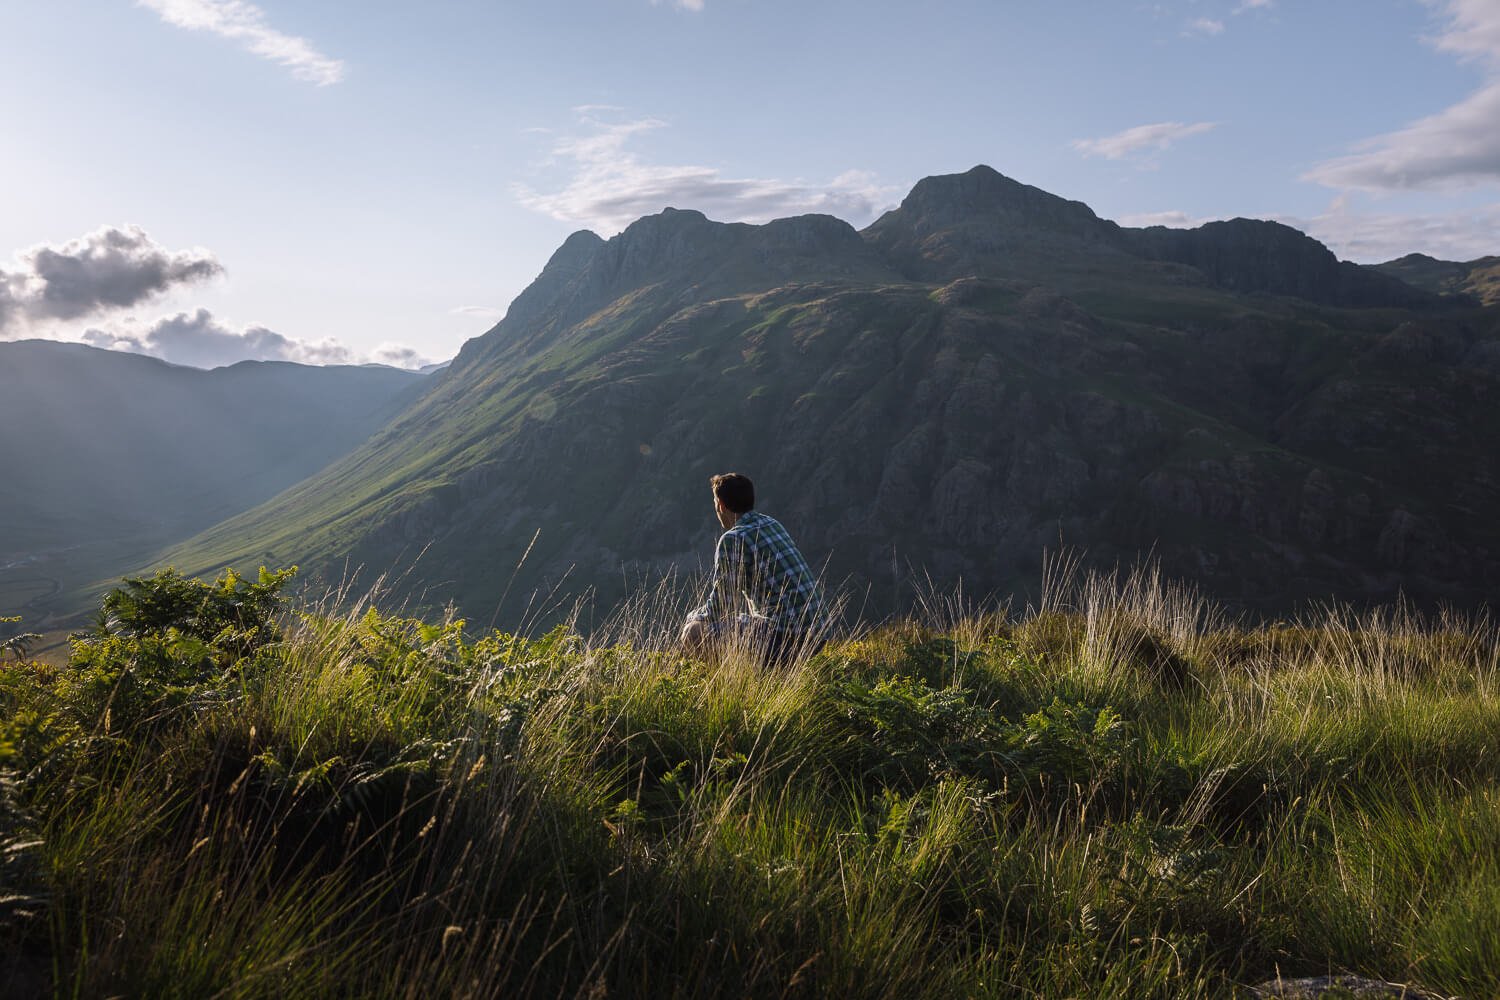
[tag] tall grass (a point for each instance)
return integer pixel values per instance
(1118, 793)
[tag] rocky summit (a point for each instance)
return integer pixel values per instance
(986, 372)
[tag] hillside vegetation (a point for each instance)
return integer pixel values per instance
(983, 370)
(1478, 279)
(1116, 794)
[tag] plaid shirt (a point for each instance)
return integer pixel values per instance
(758, 559)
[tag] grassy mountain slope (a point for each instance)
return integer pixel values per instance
(983, 372)
(1479, 278)
(109, 453)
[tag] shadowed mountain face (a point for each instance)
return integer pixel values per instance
(107, 453)
(985, 372)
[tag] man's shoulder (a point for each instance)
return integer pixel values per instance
(757, 527)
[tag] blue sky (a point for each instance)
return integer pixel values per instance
(326, 180)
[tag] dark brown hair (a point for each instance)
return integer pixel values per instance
(734, 491)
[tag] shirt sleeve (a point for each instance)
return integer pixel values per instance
(729, 577)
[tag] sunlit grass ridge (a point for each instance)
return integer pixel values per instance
(1120, 792)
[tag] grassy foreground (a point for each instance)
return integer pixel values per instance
(1117, 795)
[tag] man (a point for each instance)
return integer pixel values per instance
(758, 560)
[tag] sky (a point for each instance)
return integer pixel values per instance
(333, 181)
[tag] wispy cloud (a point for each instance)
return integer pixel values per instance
(200, 340)
(1211, 27)
(245, 23)
(611, 187)
(1370, 238)
(109, 269)
(480, 312)
(1159, 136)
(1472, 30)
(1458, 147)
(680, 4)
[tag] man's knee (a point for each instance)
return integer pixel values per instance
(697, 636)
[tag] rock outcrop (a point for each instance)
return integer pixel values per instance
(1248, 255)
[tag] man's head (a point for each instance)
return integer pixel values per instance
(733, 495)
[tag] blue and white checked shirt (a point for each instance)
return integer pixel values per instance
(757, 558)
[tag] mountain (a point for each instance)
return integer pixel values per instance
(985, 372)
(108, 456)
(1479, 279)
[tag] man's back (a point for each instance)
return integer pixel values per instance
(771, 572)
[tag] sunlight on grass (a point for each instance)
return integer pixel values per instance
(1119, 792)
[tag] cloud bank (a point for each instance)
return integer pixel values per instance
(199, 340)
(245, 23)
(116, 268)
(1371, 239)
(1458, 147)
(1159, 136)
(611, 187)
(110, 268)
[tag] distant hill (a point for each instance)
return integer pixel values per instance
(984, 372)
(107, 453)
(1477, 278)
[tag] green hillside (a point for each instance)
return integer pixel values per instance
(109, 456)
(1118, 795)
(1478, 279)
(983, 373)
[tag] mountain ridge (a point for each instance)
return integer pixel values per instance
(108, 452)
(939, 383)
(1478, 279)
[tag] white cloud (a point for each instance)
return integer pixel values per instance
(1248, 5)
(681, 4)
(399, 356)
(245, 23)
(481, 312)
(1159, 136)
(1472, 30)
(1372, 238)
(109, 269)
(611, 187)
(199, 340)
(1205, 26)
(1458, 147)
